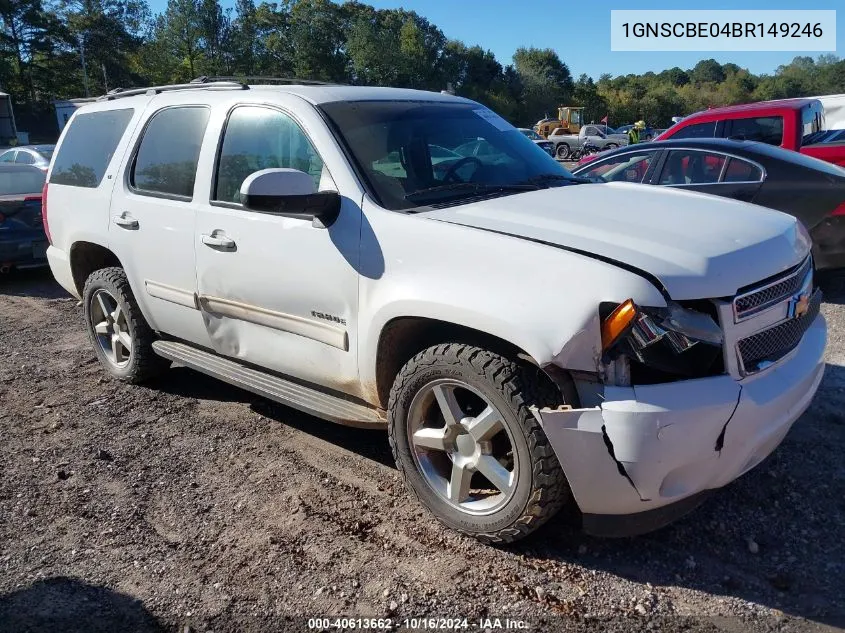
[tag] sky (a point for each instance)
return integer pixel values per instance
(580, 31)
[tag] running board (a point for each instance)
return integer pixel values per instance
(306, 399)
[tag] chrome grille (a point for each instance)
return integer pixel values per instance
(757, 300)
(774, 343)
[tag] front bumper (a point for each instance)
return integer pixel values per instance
(654, 446)
(23, 249)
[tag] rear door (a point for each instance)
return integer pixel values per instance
(710, 172)
(152, 216)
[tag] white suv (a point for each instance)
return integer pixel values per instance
(386, 257)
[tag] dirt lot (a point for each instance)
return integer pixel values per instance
(192, 506)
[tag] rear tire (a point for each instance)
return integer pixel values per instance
(468, 446)
(611, 146)
(119, 334)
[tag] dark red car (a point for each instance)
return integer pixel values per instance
(795, 124)
(23, 242)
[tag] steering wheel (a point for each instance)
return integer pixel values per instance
(449, 176)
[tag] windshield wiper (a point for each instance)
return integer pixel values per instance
(471, 187)
(561, 178)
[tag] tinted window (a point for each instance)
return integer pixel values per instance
(742, 171)
(697, 130)
(622, 168)
(767, 129)
(688, 167)
(88, 147)
(260, 138)
(167, 157)
(25, 158)
(20, 181)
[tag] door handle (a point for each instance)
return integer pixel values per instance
(219, 240)
(126, 221)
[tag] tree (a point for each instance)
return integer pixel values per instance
(707, 70)
(546, 82)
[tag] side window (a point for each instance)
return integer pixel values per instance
(742, 171)
(24, 158)
(690, 167)
(259, 138)
(8, 157)
(166, 162)
(697, 130)
(624, 168)
(767, 129)
(88, 147)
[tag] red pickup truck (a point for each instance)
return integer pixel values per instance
(796, 124)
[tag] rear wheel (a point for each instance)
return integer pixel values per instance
(120, 335)
(611, 146)
(562, 151)
(469, 448)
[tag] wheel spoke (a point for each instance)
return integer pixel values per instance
(497, 474)
(102, 328)
(125, 341)
(103, 306)
(434, 439)
(458, 490)
(117, 312)
(115, 349)
(452, 413)
(485, 425)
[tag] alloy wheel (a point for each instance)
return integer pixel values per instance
(462, 446)
(108, 320)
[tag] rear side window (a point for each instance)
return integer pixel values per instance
(742, 171)
(88, 147)
(166, 162)
(697, 130)
(25, 158)
(690, 167)
(766, 129)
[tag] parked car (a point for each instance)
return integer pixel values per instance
(648, 134)
(566, 144)
(794, 124)
(810, 189)
(529, 341)
(23, 243)
(539, 141)
(36, 155)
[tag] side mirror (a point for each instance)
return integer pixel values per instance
(291, 193)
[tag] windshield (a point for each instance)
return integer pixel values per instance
(812, 119)
(417, 153)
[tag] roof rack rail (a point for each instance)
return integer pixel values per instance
(119, 93)
(281, 80)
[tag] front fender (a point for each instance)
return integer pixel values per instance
(542, 299)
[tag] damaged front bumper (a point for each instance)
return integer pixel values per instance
(649, 454)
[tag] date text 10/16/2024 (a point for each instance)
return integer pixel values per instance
(417, 624)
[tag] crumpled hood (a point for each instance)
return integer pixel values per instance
(699, 246)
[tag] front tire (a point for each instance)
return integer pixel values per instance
(562, 151)
(468, 446)
(119, 334)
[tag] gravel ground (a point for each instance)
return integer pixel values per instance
(188, 505)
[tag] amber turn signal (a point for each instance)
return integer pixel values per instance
(617, 323)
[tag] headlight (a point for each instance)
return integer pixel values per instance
(673, 340)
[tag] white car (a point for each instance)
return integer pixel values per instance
(545, 145)
(528, 340)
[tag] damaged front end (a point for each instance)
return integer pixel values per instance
(667, 417)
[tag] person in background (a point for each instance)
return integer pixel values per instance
(634, 132)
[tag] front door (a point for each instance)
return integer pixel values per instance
(277, 292)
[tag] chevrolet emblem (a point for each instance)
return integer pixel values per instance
(802, 305)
